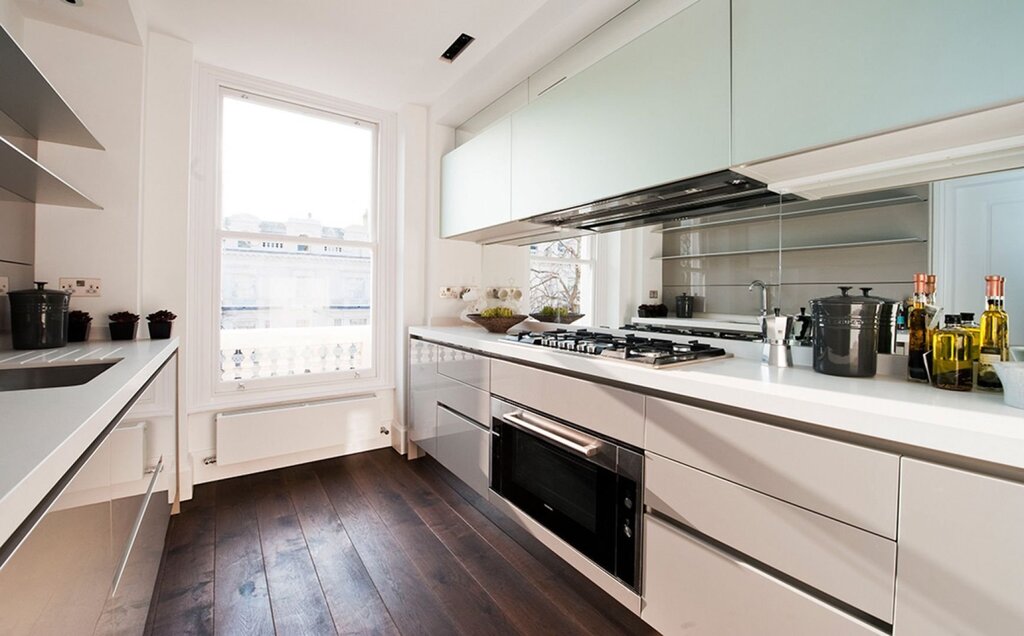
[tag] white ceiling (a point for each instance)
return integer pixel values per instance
(382, 53)
(113, 19)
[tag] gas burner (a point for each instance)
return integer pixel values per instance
(657, 353)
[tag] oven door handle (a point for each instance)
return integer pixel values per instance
(558, 433)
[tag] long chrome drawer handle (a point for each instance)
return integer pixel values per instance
(557, 433)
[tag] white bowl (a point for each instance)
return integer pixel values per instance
(1011, 374)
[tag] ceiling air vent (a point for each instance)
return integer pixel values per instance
(457, 47)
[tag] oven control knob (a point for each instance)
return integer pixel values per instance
(628, 503)
(626, 530)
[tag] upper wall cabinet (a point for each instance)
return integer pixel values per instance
(475, 182)
(809, 73)
(654, 111)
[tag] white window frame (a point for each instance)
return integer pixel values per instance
(590, 307)
(206, 388)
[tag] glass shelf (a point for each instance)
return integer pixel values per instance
(794, 248)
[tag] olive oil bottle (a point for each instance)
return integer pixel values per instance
(953, 368)
(919, 342)
(995, 335)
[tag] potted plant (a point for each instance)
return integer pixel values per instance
(160, 324)
(79, 324)
(123, 325)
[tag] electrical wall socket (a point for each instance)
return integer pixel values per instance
(90, 287)
(5, 285)
(652, 293)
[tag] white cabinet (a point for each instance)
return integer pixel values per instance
(652, 112)
(469, 368)
(464, 447)
(960, 568)
(854, 566)
(422, 401)
(808, 73)
(853, 484)
(606, 410)
(90, 564)
(693, 588)
(475, 182)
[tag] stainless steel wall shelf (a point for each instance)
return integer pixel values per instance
(22, 175)
(795, 248)
(32, 102)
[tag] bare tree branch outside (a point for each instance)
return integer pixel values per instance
(555, 284)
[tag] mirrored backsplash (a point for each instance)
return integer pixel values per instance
(802, 251)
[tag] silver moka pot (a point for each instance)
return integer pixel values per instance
(778, 334)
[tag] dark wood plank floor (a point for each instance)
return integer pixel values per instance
(366, 544)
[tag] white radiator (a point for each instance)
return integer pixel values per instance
(255, 434)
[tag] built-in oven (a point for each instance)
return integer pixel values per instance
(584, 488)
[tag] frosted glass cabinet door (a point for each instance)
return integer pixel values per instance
(814, 72)
(475, 182)
(652, 112)
(960, 562)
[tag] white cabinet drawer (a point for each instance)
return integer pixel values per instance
(850, 483)
(961, 560)
(610, 411)
(692, 588)
(464, 448)
(465, 400)
(857, 567)
(466, 367)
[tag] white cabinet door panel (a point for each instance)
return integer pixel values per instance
(475, 186)
(654, 111)
(464, 448)
(850, 483)
(423, 384)
(808, 73)
(607, 410)
(694, 589)
(960, 568)
(855, 566)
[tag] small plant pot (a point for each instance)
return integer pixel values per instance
(78, 331)
(123, 330)
(160, 330)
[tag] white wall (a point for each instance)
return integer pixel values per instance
(103, 79)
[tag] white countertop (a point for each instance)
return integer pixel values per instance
(973, 425)
(44, 431)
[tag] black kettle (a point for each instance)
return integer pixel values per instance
(39, 317)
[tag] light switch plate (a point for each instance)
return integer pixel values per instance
(5, 285)
(90, 287)
(652, 293)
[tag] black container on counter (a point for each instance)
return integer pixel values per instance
(846, 334)
(684, 306)
(39, 317)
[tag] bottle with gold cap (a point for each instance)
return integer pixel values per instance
(919, 342)
(995, 335)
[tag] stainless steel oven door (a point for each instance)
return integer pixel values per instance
(584, 488)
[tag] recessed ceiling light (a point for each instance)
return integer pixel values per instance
(456, 48)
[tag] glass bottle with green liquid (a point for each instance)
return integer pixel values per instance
(995, 335)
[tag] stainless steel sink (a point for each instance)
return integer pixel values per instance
(50, 376)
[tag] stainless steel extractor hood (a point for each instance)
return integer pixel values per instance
(714, 193)
(724, 191)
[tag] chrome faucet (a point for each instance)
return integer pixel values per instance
(764, 305)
